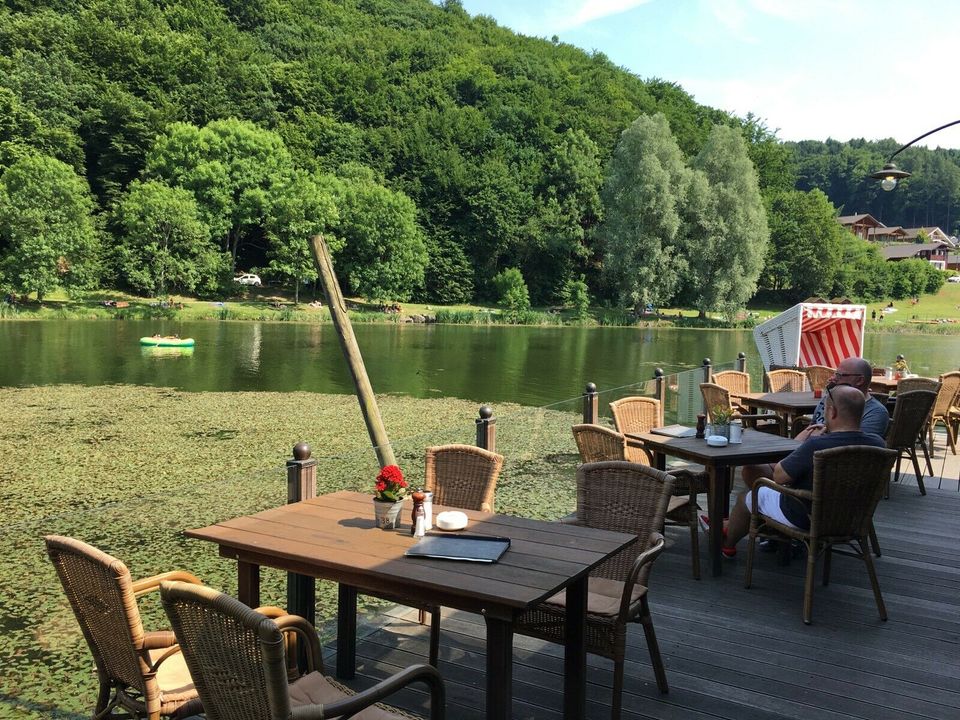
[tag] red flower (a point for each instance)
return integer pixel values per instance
(391, 484)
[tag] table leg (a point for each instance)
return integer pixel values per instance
(499, 668)
(717, 505)
(248, 583)
(660, 460)
(346, 631)
(575, 652)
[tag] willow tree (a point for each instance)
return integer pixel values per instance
(644, 193)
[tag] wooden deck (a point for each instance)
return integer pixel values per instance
(746, 654)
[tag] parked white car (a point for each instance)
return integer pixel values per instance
(954, 279)
(248, 279)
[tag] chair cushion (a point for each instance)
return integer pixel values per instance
(174, 679)
(316, 689)
(603, 596)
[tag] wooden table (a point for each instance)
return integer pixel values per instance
(333, 537)
(786, 404)
(757, 447)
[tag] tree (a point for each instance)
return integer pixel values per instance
(512, 292)
(805, 243)
(231, 166)
(384, 254)
(164, 244)
(576, 295)
(301, 209)
(46, 227)
(644, 191)
(863, 273)
(727, 237)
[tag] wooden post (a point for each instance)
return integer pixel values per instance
(707, 377)
(591, 404)
(742, 362)
(660, 388)
(351, 351)
(486, 429)
(301, 589)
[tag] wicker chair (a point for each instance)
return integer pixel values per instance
(737, 383)
(636, 414)
(597, 443)
(818, 376)
(786, 381)
(640, 415)
(847, 485)
(239, 660)
(716, 396)
(946, 400)
(625, 497)
(922, 383)
(139, 671)
(910, 416)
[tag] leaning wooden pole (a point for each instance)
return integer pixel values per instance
(351, 351)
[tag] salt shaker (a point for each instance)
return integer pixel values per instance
(428, 509)
(418, 517)
(736, 432)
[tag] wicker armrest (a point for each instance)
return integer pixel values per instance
(304, 631)
(148, 584)
(653, 551)
(426, 674)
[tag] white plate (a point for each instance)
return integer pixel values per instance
(716, 441)
(451, 520)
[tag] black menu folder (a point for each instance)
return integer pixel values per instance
(475, 548)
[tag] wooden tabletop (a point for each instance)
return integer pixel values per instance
(757, 447)
(790, 403)
(334, 537)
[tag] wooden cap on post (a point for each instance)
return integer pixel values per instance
(301, 474)
(486, 429)
(591, 403)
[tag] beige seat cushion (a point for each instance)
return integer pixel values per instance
(315, 689)
(174, 679)
(603, 596)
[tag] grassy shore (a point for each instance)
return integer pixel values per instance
(129, 468)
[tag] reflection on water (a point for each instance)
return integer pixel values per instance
(154, 351)
(531, 366)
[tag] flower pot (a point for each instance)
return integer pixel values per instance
(718, 429)
(387, 513)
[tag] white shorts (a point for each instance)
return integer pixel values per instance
(769, 505)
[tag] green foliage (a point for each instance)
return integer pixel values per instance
(163, 244)
(863, 273)
(513, 295)
(47, 235)
(805, 243)
(914, 277)
(448, 276)
(576, 295)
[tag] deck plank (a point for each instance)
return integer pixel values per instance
(745, 654)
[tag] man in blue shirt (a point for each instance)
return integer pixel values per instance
(842, 412)
(857, 373)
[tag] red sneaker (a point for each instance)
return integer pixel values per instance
(727, 552)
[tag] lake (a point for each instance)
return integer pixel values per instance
(527, 365)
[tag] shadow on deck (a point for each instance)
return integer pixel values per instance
(746, 654)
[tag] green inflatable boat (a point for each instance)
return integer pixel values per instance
(166, 341)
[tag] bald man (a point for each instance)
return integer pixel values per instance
(842, 413)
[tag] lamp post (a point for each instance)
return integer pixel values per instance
(891, 174)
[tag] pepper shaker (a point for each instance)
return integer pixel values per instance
(701, 425)
(418, 516)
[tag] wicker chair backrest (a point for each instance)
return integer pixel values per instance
(949, 390)
(463, 476)
(101, 594)
(738, 383)
(909, 416)
(818, 376)
(235, 655)
(623, 497)
(787, 381)
(918, 383)
(848, 482)
(714, 395)
(597, 443)
(636, 414)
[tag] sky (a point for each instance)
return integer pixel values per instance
(810, 69)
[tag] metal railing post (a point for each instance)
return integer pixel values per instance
(660, 387)
(301, 485)
(486, 429)
(742, 362)
(707, 377)
(591, 404)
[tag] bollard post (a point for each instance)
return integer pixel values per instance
(591, 404)
(707, 377)
(660, 387)
(741, 362)
(301, 589)
(486, 429)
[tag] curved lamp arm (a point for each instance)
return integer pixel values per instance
(891, 174)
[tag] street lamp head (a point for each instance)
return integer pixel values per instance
(889, 176)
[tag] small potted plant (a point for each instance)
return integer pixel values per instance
(900, 367)
(391, 489)
(720, 421)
